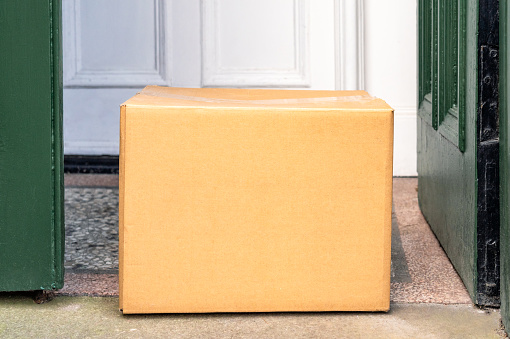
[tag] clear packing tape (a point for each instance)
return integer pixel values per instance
(257, 97)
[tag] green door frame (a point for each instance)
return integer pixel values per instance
(31, 151)
(458, 172)
(504, 124)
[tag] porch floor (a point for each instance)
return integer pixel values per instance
(428, 298)
(421, 272)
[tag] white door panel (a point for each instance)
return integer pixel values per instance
(102, 48)
(255, 43)
(262, 31)
(115, 43)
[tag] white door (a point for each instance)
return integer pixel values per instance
(113, 48)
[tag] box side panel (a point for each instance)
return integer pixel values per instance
(236, 211)
(122, 185)
(388, 202)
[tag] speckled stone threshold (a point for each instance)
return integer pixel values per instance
(421, 272)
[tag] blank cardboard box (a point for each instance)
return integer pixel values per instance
(238, 200)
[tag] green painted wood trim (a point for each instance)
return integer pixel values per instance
(462, 66)
(31, 176)
(441, 61)
(435, 64)
(425, 57)
(57, 141)
(504, 157)
(424, 53)
(451, 106)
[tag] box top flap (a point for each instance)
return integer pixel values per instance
(253, 98)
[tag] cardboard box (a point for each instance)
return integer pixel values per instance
(237, 200)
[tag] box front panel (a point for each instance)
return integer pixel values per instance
(261, 210)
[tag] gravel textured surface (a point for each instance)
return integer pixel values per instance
(92, 232)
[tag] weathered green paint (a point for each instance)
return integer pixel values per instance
(427, 59)
(31, 183)
(447, 156)
(442, 57)
(504, 156)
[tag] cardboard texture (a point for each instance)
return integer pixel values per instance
(235, 200)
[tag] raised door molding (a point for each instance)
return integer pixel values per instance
(217, 72)
(77, 74)
(349, 44)
(349, 51)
